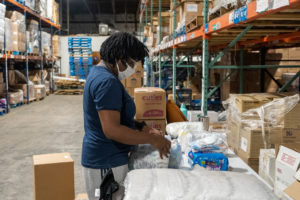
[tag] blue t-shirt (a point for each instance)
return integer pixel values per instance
(104, 91)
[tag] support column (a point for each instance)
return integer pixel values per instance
(241, 70)
(159, 41)
(262, 71)
(205, 63)
(174, 53)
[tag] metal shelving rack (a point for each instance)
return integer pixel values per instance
(43, 22)
(244, 27)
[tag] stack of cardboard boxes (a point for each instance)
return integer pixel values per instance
(135, 80)
(247, 141)
(151, 107)
(18, 29)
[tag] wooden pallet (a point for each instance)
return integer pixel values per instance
(69, 92)
(194, 24)
(30, 100)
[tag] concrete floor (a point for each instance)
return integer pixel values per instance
(52, 125)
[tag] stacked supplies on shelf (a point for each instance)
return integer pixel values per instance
(81, 60)
(30, 4)
(46, 44)
(55, 12)
(8, 34)
(18, 31)
(56, 45)
(33, 36)
(41, 7)
(2, 23)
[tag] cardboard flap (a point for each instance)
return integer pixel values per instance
(294, 190)
(288, 157)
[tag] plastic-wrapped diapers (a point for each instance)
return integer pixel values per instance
(33, 36)
(18, 30)
(2, 23)
(146, 156)
(172, 184)
(174, 129)
(46, 43)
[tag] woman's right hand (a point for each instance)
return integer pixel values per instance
(162, 144)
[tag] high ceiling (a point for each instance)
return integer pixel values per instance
(85, 15)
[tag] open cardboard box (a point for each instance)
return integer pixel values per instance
(294, 190)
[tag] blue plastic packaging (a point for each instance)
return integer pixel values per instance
(212, 161)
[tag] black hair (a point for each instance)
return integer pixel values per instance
(122, 46)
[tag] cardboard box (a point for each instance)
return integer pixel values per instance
(2, 88)
(1, 77)
(252, 162)
(157, 124)
(133, 82)
(82, 196)
(246, 102)
(292, 118)
(267, 160)
(39, 91)
(290, 135)
(287, 164)
(139, 71)
(196, 96)
(293, 190)
(124, 82)
(130, 91)
(233, 135)
(15, 97)
(150, 103)
(251, 141)
(24, 88)
(53, 177)
(11, 77)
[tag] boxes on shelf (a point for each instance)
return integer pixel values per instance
(150, 103)
(41, 7)
(1, 77)
(49, 9)
(39, 92)
(2, 22)
(287, 164)
(18, 30)
(47, 86)
(53, 176)
(8, 34)
(267, 158)
(33, 36)
(56, 45)
(30, 4)
(55, 12)
(15, 97)
(46, 44)
(24, 88)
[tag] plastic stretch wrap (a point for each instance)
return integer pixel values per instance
(153, 184)
(55, 45)
(18, 32)
(175, 155)
(49, 9)
(174, 129)
(33, 37)
(2, 23)
(41, 7)
(46, 43)
(30, 4)
(15, 97)
(55, 12)
(146, 156)
(39, 91)
(8, 33)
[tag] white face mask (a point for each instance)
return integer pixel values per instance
(127, 72)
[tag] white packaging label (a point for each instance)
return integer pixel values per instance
(231, 18)
(244, 144)
(38, 91)
(97, 192)
(192, 8)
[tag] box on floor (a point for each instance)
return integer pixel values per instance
(293, 189)
(39, 91)
(24, 88)
(150, 103)
(287, 164)
(53, 177)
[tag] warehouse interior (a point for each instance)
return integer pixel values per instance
(216, 99)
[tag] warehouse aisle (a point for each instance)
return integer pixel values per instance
(49, 126)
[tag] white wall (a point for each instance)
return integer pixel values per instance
(65, 67)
